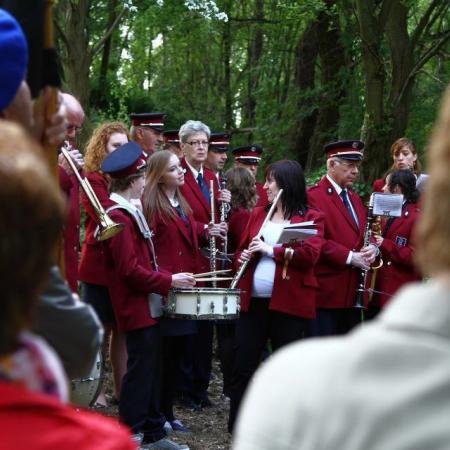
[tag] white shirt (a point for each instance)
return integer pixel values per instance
(264, 275)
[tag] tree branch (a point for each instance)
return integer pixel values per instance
(423, 23)
(61, 33)
(433, 50)
(97, 47)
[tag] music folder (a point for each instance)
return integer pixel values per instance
(297, 232)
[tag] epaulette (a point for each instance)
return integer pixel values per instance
(313, 186)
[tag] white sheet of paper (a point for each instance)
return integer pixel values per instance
(388, 205)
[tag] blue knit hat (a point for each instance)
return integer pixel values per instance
(13, 58)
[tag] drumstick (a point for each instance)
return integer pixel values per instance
(213, 278)
(211, 273)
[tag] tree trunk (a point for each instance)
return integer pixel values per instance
(306, 112)
(226, 42)
(333, 60)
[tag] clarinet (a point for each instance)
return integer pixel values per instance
(359, 302)
(212, 239)
(224, 208)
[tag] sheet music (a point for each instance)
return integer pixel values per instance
(388, 205)
(297, 232)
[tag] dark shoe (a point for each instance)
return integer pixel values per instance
(205, 403)
(188, 403)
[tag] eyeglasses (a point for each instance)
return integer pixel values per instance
(71, 128)
(198, 143)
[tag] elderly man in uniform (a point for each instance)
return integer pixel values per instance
(70, 185)
(342, 256)
(147, 130)
(249, 157)
(71, 327)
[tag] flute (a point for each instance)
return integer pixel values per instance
(212, 239)
(244, 264)
(223, 216)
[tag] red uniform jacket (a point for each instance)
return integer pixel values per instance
(69, 184)
(51, 424)
(337, 281)
(397, 252)
(378, 185)
(296, 295)
(201, 209)
(262, 195)
(133, 276)
(176, 245)
(93, 266)
(237, 223)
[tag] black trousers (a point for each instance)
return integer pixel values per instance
(225, 331)
(253, 328)
(140, 390)
(172, 352)
(335, 321)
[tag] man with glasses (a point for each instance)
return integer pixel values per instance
(147, 130)
(70, 185)
(342, 256)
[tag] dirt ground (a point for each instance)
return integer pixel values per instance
(208, 426)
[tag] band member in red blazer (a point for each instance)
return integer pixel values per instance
(194, 141)
(249, 157)
(176, 239)
(279, 286)
(134, 275)
(342, 254)
(395, 241)
(93, 270)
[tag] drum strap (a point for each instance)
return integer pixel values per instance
(140, 221)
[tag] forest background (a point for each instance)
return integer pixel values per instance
(288, 75)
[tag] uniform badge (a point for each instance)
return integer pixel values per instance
(330, 191)
(401, 241)
(406, 213)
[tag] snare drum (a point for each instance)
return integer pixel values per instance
(203, 303)
(84, 391)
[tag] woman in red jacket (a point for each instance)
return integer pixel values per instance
(279, 286)
(176, 240)
(395, 242)
(93, 271)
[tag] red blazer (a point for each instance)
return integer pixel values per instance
(296, 295)
(191, 191)
(262, 195)
(176, 245)
(237, 223)
(69, 184)
(378, 185)
(53, 424)
(337, 281)
(133, 276)
(93, 266)
(397, 252)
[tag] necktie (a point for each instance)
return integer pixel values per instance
(204, 188)
(346, 201)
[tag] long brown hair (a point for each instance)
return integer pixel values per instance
(96, 147)
(154, 199)
(396, 148)
(433, 234)
(241, 184)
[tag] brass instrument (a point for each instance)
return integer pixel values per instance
(107, 227)
(212, 239)
(244, 265)
(359, 302)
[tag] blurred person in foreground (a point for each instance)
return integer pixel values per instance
(68, 325)
(33, 386)
(386, 385)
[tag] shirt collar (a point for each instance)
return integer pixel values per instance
(195, 172)
(337, 188)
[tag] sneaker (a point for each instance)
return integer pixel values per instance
(177, 426)
(168, 427)
(163, 444)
